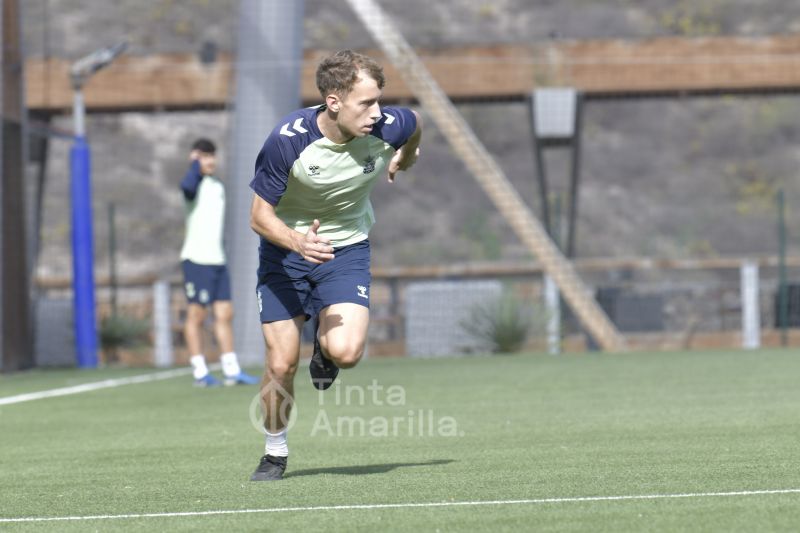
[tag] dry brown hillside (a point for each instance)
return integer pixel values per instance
(661, 177)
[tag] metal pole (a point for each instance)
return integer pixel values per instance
(394, 309)
(81, 196)
(552, 298)
(162, 325)
(112, 257)
(751, 322)
(82, 242)
(78, 113)
(575, 178)
(268, 66)
(555, 230)
(783, 301)
(541, 175)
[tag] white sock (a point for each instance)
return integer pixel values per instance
(200, 370)
(230, 365)
(276, 444)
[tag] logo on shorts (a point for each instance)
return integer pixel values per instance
(204, 297)
(260, 304)
(369, 165)
(190, 290)
(313, 170)
(362, 291)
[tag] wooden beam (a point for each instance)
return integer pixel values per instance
(669, 65)
(674, 65)
(167, 81)
(489, 269)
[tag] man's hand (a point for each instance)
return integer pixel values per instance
(402, 161)
(194, 155)
(313, 248)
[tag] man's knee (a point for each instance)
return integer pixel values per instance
(195, 315)
(223, 312)
(281, 368)
(344, 354)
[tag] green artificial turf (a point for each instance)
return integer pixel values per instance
(422, 431)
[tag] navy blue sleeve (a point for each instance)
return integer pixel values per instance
(397, 125)
(273, 164)
(191, 181)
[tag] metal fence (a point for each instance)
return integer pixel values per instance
(425, 310)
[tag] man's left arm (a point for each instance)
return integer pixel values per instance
(407, 155)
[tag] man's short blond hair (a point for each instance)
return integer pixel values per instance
(338, 73)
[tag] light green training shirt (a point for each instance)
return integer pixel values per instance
(307, 176)
(205, 223)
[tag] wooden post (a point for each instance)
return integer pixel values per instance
(16, 346)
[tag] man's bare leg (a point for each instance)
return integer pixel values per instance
(223, 332)
(193, 335)
(340, 339)
(193, 328)
(277, 393)
(223, 325)
(343, 333)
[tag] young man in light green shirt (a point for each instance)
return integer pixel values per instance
(311, 208)
(206, 279)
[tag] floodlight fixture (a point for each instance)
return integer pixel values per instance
(556, 122)
(555, 113)
(83, 68)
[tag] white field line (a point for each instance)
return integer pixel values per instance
(408, 505)
(97, 385)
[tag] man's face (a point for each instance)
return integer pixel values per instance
(358, 111)
(208, 163)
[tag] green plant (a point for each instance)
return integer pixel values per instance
(122, 331)
(501, 325)
(695, 18)
(484, 240)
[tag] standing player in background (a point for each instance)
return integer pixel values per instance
(205, 274)
(312, 210)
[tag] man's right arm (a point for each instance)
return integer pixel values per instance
(266, 223)
(191, 181)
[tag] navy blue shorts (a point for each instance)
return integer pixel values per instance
(205, 284)
(289, 286)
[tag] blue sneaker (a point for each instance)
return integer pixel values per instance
(207, 381)
(241, 379)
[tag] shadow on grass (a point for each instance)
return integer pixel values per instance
(361, 470)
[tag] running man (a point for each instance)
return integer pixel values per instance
(205, 274)
(311, 207)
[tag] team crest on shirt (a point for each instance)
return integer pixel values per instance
(369, 164)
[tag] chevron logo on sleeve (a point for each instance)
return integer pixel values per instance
(389, 118)
(295, 126)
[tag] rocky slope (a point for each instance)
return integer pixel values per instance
(661, 177)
